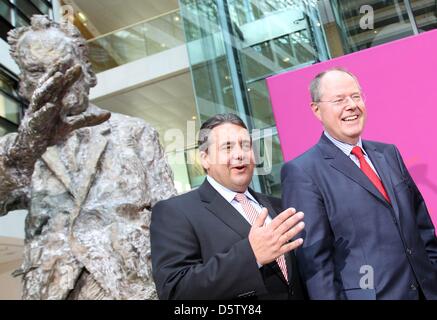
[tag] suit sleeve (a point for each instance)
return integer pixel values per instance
(423, 219)
(315, 256)
(179, 270)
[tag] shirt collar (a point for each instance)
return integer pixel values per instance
(343, 146)
(226, 193)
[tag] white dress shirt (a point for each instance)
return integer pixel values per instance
(229, 196)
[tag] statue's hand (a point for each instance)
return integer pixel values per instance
(46, 114)
(46, 122)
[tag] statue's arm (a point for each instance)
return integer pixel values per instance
(14, 182)
(44, 124)
(19, 151)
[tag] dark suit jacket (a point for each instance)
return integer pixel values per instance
(200, 250)
(352, 233)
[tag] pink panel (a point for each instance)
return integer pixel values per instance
(399, 80)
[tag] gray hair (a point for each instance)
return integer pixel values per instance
(315, 83)
(213, 122)
(42, 22)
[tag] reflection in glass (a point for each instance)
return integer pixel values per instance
(390, 22)
(27, 7)
(42, 5)
(6, 127)
(195, 169)
(269, 163)
(136, 42)
(212, 80)
(187, 170)
(261, 111)
(6, 11)
(425, 14)
(234, 45)
(265, 37)
(9, 109)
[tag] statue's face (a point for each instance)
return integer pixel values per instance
(39, 51)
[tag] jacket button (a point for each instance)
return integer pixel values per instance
(409, 251)
(413, 287)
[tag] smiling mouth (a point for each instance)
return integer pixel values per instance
(350, 118)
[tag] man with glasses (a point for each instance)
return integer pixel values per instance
(368, 233)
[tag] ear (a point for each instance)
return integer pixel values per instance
(316, 110)
(204, 160)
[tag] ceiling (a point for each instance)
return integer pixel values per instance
(167, 104)
(109, 15)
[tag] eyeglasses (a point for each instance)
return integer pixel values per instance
(342, 102)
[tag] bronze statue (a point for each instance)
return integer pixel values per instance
(92, 184)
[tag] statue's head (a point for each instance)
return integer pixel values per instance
(38, 48)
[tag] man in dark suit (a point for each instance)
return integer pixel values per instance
(368, 234)
(203, 244)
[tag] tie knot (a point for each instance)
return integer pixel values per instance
(357, 152)
(240, 197)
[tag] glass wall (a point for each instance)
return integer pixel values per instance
(137, 41)
(362, 24)
(389, 21)
(425, 14)
(233, 46)
(210, 69)
(10, 107)
(17, 13)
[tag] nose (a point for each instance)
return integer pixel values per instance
(351, 103)
(237, 153)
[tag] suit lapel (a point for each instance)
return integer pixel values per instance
(383, 168)
(342, 163)
(223, 210)
(74, 162)
(52, 158)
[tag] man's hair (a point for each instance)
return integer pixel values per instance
(42, 22)
(315, 83)
(216, 121)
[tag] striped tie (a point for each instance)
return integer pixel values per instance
(251, 215)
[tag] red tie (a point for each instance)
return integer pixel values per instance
(252, 214)
(368, 171)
